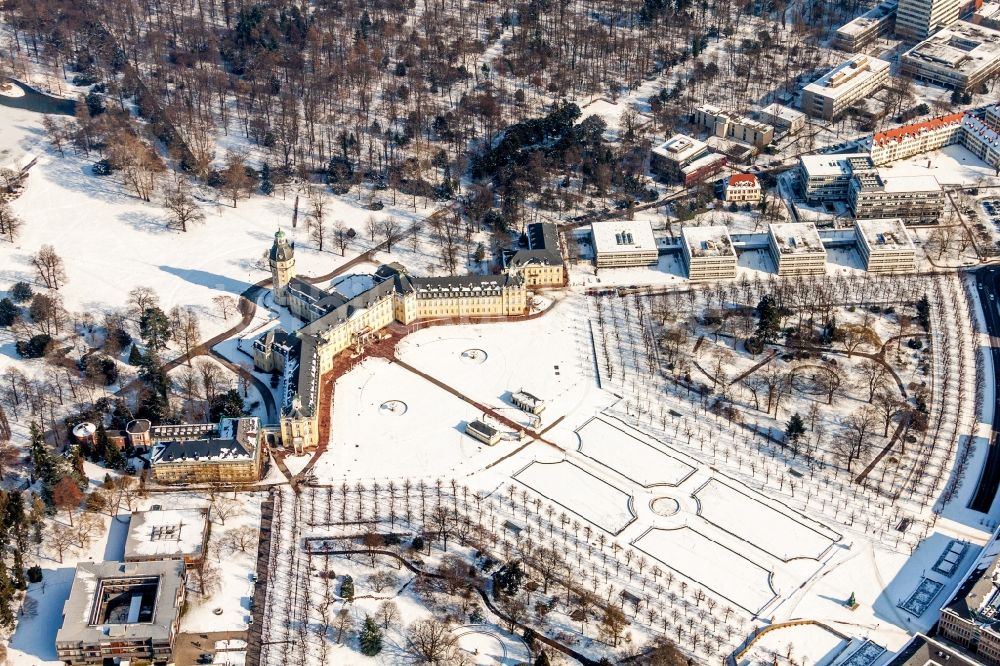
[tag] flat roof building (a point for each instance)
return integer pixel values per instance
(728, 125)
(680, 150)
(167, 534)
(971, 617)
(121, 610)
(916, 199)
(962, 56)
(877, 22)
(885, 246)
(828, 177)
(484, 433)
(917, 19)
(783, 116)
(622, 243)
(834, 92)
(796, 248)
(708, 253)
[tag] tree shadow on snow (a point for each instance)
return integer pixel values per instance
(206, 279)
(36, 635)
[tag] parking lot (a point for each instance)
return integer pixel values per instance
(992, 210)
(190, 647)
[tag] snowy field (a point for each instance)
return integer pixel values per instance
(710, 565)
(548, 357)
(424, 437)
(806, 643)
(631, 456)
(761, 523)
(589, 497)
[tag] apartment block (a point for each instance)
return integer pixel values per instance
(916, 199)
(864, 30)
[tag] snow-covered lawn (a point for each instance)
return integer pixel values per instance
(710, 565)
(424, 436)
(771, 528)
(631, 455)
(806, 643)
(547, 357)
(589, 497)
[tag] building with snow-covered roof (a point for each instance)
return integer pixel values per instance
(702, 168)
(796, 248)
(971, 616)
(680, 150)
(527, 402)
(708, 253)
(338, 321)
(902, 142)
(541, 264)
(982, 137)
(828, 177)
(728, 125)
(916, 199)
(834, 92)
(885, 246)
(743, 187)
(167, 534)
(877, 22)
(623, 243)
(122, 611)
(227, 452)
(962, 56)
(783, 116)
(988, 14)
(484, 433)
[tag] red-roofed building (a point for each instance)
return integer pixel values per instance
(910, 140)
(743, 187)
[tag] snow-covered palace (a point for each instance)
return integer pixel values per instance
(337, 321)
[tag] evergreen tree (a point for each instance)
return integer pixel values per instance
(8, 312)
(6, 598)
(542, 660)
(371, 637)
(14, 528)
(347, 588)
(113, 457)
(21, 292)
(154, 327)
(226, 404)
(100, 451)
(135, 356)
(266, 186)
(43, 465)
(153, 403)
(794, 430)
(77, 461)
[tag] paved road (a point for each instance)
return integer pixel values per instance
(988, 284)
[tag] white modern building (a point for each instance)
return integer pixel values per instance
(918, 19)
(828, 177)
(796, 248)
(708, 253)
(623, 243)
(783, 116)
(852, 80)
(865, 29)
(728, 125)
(916, 199)
(962, 56)
(885, 246)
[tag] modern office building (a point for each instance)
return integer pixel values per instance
(919, 19)
(962, 56)
(828, 177)
(708, 253)
(121, 611)
(877, 22)
(885, 246)
(916, 199)
(622, 243)
(796, 248)
(852, 80)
